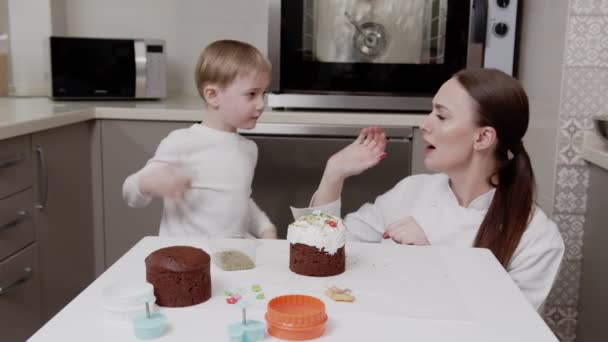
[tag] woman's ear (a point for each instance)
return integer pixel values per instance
(211, 95)
(485, 137)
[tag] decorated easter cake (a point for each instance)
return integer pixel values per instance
(317, 245)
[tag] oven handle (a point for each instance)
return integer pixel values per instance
(480, 20)
(308, 130)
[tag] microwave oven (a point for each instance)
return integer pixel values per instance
(382, 55)
(107, 69)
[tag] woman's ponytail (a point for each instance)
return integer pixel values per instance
(511, 208)
(503, 105)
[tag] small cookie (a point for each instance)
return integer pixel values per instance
(340, 295)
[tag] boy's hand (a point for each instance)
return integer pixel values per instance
(407, 232)
(164, 180)
(362, 154)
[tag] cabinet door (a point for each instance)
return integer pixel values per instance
(16, 223)
(20, 295)
(126, 147)
(593, 302)
(64, 218)
(15, 165)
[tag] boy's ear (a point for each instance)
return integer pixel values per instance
(485, 137)
(210, 94)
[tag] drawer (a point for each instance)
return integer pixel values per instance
(16, 223)
(20, 295)
(15, 165)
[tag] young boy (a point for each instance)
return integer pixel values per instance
(204, 173)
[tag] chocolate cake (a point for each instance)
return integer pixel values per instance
(317, 245)
(180, 276)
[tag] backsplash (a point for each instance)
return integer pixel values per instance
(584, 89)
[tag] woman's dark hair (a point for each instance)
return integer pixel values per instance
(503, 105)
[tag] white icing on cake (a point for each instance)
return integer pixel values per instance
(317, 230)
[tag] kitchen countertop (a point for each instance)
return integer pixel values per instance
(19, 116)
(595, 150)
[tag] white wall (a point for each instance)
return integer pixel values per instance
(186, 25)
(540, 71)
(30, 27)
(3, 17)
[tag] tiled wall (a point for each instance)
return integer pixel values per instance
(584, 95)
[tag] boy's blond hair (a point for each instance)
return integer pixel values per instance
(222, 61)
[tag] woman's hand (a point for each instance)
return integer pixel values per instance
(365, 152)
(164, 180)
(407, 232)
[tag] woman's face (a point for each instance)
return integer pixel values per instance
(450, 129)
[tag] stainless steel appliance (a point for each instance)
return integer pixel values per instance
(292, 158)
(100, 68)
(387, 55)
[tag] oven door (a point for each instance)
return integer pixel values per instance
(291, 160)
(381, 55)
(380, 47)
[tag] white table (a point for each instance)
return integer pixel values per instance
(403, 293)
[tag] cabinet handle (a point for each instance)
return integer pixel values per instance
(21, 216)
(12, 161)
(27, 275)
(43, 178)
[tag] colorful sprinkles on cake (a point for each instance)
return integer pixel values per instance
(323, 231)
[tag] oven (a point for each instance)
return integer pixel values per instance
(387, 55)
(292, 157)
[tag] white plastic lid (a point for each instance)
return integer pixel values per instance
(127, 295)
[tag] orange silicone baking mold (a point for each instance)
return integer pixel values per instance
(296, 317)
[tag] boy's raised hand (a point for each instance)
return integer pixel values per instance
(161, 179)
(365, 152)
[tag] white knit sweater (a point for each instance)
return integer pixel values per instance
(221, 165)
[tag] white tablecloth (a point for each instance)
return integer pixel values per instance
(403, 293)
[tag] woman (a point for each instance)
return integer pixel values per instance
(483, 194)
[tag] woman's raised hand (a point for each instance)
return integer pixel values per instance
(365, 152)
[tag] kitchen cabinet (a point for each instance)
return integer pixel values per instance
(16, 224)
(15, 165)
(19, 271)
(593, 302)
(126, 147)
(63, 213)
(20, 295)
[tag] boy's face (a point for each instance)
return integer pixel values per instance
(242, 102)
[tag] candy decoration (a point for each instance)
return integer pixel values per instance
(339, 295)
(240, 293)
(331, 223)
